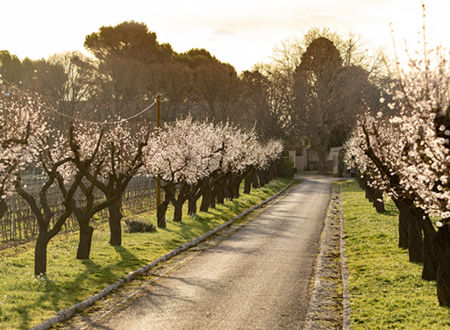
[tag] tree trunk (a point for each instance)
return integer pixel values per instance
(262, 178)
(115, 226)
(206, 197)
(255, 181)
(402, 226)
(403, 239)
(442, 248)
(429, 258)
(235, 183)
(228, 187)
(415, 243)
(378, 201)
(3, 208)
(161, 214)
(85, 242)
(219, 193)
(192, 205)
(212, 201)
(248, 182)
(40, 253)
(178, 211)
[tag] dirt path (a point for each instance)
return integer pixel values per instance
(255, 279)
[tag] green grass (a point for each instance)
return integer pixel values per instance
(26, 301)
(386, 290)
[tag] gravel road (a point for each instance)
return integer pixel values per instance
(257, 278)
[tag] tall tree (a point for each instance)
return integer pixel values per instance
(315, 88)
(125, 55)
(261, 113)
(328, 96)
(66, 81)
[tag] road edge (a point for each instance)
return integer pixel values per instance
(344, 270)
(329, 305)
(66, 314)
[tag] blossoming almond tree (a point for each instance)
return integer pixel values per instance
(55, 158)
(423, 96)
(409, 155)
(119, 160)
(197, 159)
(21, 126)
(181, 155)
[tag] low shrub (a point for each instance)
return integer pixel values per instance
(285, 168)
(138, 226)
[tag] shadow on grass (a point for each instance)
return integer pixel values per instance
(62, 295)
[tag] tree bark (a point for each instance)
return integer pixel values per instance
(429, 271)
(248, 182)
(415, 243)
(378, 201)
(178, 211)
(192, 205)
(161, 214)
(235, 182)
(206, 197)
(3, 208)
(219, 193)
(85, 242)
(115, 226)
(255, 181)
(262, 178)
(410, 221)
(212, 201)
(40, 253)
(368, 191)
(228, 187)
(402, 226)
(442, 248)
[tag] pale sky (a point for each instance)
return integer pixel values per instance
(240, 32)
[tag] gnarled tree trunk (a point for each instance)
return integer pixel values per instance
(85, 242)
(192, 205)
(40, 253)
(402, 226)
(115, 223)
(178, 211)
(206, 197)
(429, 254)
(442, 246)
(161, 210)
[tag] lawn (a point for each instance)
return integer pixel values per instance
(386, 289)
(26, 301)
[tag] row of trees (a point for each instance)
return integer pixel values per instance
(311, 92)
(404, 151)
(193, 159)
(128, 68)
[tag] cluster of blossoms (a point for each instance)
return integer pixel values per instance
(413, 144)
(91, 157)
(21, 129)
(187, 151)
(407, 155)
(195, 158)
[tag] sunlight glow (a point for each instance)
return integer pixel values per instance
(239, 32)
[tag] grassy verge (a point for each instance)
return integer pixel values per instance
(386, 289)
(26, 301)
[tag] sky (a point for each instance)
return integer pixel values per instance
(239, 32)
